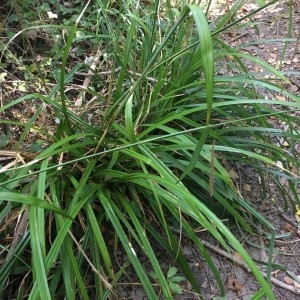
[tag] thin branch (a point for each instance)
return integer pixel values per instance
(241, 263)
(105, 73)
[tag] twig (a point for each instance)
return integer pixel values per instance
(99, 73)
(18, 157)
(286, 218)
(139, 74)
(87, 79)
(239, 37)
(105, 282)
(117, 70)
(241, 263)
(283, 285)
(226, 254)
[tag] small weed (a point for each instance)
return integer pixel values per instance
(173, 280)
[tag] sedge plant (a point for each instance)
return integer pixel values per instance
(143, 157)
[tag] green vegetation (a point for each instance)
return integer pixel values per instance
(137, 152)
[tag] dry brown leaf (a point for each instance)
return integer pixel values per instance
(288, 280)
(265, 206)
(234, 285)
(294, 88)
(199, 264)
(237, 256)
(287, 227)
(297, 214)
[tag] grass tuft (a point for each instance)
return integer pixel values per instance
(144, 156)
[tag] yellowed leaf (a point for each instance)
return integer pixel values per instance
(286, 144)
(297, 210)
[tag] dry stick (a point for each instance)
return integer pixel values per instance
(243, 265)
(88, 77)
(7, 154)
(286, 218)
(226, 254)
(1, 93)
(91, 73)
(105, 282)
(239, 37)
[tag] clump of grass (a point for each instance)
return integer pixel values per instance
(146, 157)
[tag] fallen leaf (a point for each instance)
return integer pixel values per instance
(247, 187)
(288, 280)
(297, 210)
(233, 174)
(199, 265)
(2, 76)
(234, 285)
(279, 164)
(287, 227)
(265, 206)
(294, 88)
(297, 214)
(237, 256)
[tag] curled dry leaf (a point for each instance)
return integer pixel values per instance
(234, 285)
